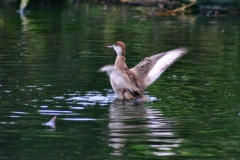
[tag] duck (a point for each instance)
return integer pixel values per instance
(130, 84)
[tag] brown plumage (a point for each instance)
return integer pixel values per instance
(131, 83)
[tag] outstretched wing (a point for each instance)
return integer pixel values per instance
(150, 68)
(107, 68)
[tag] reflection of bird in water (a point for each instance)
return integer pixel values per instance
(134, 123)
(131, 83)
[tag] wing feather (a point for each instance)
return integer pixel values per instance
(107, 68)
(152, 67)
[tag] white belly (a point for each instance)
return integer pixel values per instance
(117, 83)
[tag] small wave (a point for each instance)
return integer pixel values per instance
(79, 119)
(56, 112)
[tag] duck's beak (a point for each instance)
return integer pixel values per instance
(110, 46)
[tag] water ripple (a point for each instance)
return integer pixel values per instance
(17, 112)
(56, 112)
(94, 97)
(79, 119)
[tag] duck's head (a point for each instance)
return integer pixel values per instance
(119, 47)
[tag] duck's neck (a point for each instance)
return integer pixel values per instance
(120, 62)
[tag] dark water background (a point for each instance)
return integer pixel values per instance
(48, 67)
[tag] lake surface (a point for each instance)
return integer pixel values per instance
(48, 67)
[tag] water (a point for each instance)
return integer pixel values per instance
(48, 67)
